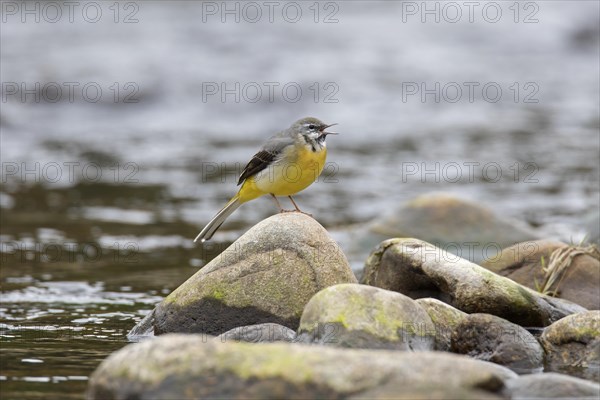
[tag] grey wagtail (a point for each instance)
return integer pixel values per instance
(288, 163)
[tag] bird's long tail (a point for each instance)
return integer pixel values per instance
(218, 219)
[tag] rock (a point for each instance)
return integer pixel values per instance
(267, 275)
(490, 338)
(419, 269)
(459, 226)
(572, 345)
(524, 263)
(550, 386)
(179, 366)
(261, 333)
(445, 318)
(360, 316)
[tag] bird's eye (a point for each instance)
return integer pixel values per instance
(311, 126)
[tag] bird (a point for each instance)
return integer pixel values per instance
(287, 163)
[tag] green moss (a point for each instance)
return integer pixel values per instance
(186, 294)
(278, 361)
(520, 297)
(583, 327)
(585, 333)
(434, 318)
(341, 319)
(253, 288)
(383, 320)
(218, 294)
(248, 361)
(363, 308)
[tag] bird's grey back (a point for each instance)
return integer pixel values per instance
(279, 141)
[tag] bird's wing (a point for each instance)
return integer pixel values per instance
(270, 152)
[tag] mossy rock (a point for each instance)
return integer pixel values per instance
(360, 316)
(572, 345)
(178, 366)
(267, 275)
(445, 318)
(419, 269)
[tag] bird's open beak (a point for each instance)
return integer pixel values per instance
(328, 133)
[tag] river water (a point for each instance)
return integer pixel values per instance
(124, 126)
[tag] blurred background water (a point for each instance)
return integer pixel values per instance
(124, 126)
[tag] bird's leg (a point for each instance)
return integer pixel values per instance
(281, 210)
(297, 208)
(294, 203)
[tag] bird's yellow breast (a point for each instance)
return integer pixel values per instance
(296, 170)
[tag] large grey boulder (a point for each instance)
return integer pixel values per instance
(190, 367)
(267, 275)
(360, 316)
(419, 269)
(465, 228)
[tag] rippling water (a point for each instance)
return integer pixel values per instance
(100, 200)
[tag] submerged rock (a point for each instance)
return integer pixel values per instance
(551, 386)
(445, 318)
(568, 272)
(418, 269)
(190, 367)
(462, 227)
(572, 345)
(260, 333)
(490, 338)
(360, 316)
(267, 275)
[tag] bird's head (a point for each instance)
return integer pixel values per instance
(312, 129)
